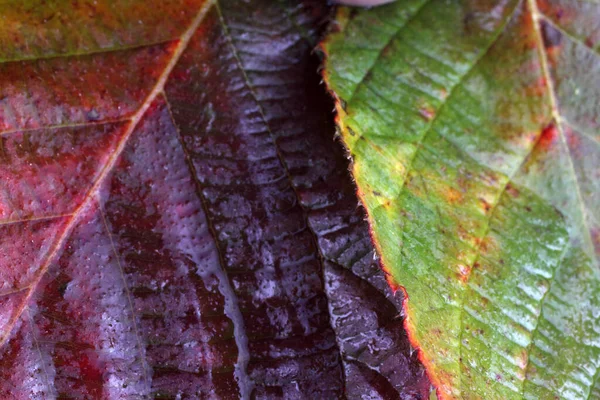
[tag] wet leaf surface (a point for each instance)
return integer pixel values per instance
(177, 220)
(473, 129)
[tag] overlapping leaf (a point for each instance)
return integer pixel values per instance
(474, 131)
(176, 220)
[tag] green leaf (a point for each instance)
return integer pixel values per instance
(474, 130)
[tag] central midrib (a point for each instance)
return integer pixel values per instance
(280, 157)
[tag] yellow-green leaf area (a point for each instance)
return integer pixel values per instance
(474, 131)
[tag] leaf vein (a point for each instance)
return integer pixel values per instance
(381, 51)
(314, 236)
(234, 312)
(568, 34)
(541, 307)
(136, 329)
(536, 15)
(85, 53)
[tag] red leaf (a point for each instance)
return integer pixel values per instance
(178, 221)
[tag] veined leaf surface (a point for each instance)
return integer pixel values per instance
(176, 220)
(474, 129)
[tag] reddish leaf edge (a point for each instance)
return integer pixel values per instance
(179, 47)
(336, 25)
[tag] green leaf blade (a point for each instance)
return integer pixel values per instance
(480, 205)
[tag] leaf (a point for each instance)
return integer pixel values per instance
(176, 220)
(474, 134)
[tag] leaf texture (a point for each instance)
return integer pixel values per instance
(177, 221)
(474, 132)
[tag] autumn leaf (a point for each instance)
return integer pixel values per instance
(177, 221)
(474, 133)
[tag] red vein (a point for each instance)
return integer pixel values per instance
(33, 219)
(135, 119)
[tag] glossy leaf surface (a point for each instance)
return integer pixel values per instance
(177, 220)
(475, 136)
